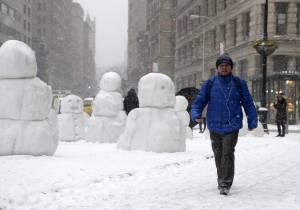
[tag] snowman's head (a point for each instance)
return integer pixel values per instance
(17, 60)
(71, 104)
(110, 81)
(156, 90)
(181, 103)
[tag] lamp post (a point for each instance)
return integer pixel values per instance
(265, 48)
(221, 45)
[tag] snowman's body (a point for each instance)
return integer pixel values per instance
(108, 118)
(71, 121)
(180, 107)
(155, 126)
(27, 125)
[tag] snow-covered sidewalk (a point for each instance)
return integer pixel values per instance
(98, 176)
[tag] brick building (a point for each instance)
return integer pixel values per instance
(61, 37)
(161, 35)
(137, 49)
(237, 24)
(15, 20)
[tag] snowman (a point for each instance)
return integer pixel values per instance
(71, 121)
(155, 126)
(180, 107)
(258, 132)
(108, 118)
(28, 126)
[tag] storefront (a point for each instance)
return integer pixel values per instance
(289, 85)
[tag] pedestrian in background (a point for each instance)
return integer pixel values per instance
(281, 115)
(131, 101)
(224, 96)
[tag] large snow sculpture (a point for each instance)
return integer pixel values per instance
(180, 107)
(27, 126)
(108, 118)
(71, 121)
(155, 126)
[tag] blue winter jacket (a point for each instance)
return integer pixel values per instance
(225, 99)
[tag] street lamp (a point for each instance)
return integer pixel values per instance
(221, 45)
(265, 48)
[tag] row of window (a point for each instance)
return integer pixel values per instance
(13, 33)
(186, 24)
(11, 12)
(9, 31)
(42, 6)
(27, 11)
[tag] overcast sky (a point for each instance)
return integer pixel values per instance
(111, 30)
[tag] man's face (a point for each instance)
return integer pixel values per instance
(224, 69)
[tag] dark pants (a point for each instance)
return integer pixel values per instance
(223, 146)
(281, 128)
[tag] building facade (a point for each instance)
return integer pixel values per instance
(137, 49)
(161, 27)
(15, 20)
(236, 24)
(60, 41)
(89, 51)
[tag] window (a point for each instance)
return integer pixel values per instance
(11, 13)
(214, 39)
(298, 18)
(281, 18)
(246, 25)
(280, 63)
(234, 30)
(39, 6)
(24, 24)
(297, 64)
(243, 67)
(205, 7)
(39, 19)
(185, 23)
(198, 12)
(223, 33)
(4, 8)
(224, 4)
(28, 26)
(24, 9)
(28, 12)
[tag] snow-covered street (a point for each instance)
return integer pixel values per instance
(98, 176)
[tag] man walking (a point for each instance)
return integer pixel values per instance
(225, 95)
